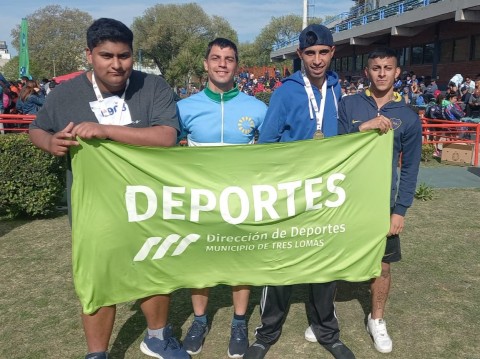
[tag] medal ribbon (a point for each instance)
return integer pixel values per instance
(103, 108)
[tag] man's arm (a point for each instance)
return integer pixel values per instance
(274, 121)
(56, 144)
(164, 136)
(411, 156)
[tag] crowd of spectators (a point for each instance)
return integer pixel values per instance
(25, 96)
(460, 100)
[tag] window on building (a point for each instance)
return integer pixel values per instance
(428, 53)
(460, 49)
(476, 47)
(344, 64)
(358, 63)
(417, 55)
(446, 51)
(351, 63)
(365, 60)
(403, 56)
(338, 64)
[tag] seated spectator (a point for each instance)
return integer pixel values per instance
(272, 82)
(30, 98)
(434, 107)
(473, 106)
(51, 85)
(465, 97)
(407, 95)
(469, 84)
(278, 83)
(431, 87)
(452, 111)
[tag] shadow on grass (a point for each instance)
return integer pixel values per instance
(221, 297)
(9, 224)
(180, 312)
(348, 291)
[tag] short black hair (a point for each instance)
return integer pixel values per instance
(105, 29)
(383, 52)
(222, 43)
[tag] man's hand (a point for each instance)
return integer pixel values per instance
(90, 130)
(380, 123)
(396, 224)
(61, 141)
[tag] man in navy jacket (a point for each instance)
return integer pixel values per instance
(380, 108)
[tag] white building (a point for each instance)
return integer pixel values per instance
(4, 54)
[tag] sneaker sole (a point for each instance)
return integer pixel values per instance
(234, 355)
(309, 338)
(195, 353)
(146, 351)
(201, 346)
(380, 350)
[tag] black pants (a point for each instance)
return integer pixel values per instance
(321, 315)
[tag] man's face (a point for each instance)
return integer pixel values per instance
(112, 63)
(220, 66)
(316, 60)
(382, 73)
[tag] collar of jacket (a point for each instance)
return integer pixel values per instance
(217, 97)
(396, 96)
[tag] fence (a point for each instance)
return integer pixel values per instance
(362, 15)
(434, 131)
(15, 123)
(445, 132)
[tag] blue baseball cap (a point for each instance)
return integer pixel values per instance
(315, 34)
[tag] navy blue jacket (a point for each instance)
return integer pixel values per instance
(354, 110)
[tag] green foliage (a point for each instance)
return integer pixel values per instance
(427, 152)
(264, 97)
(276, 33)
(32, 181)
(424, 192)
(56, 40)
(175, 38)
(10, 69)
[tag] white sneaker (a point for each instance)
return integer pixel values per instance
(310, 336)
(377, 328)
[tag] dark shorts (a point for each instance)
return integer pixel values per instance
(392, 250)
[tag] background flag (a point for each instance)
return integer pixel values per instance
(24, 61)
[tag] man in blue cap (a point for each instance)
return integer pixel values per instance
(304, 107)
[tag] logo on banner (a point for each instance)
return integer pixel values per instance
(162, 250)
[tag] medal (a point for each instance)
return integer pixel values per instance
(318, 135)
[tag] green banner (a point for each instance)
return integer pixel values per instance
(152, 220)
(24, 61)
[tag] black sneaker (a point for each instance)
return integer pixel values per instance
(257, 350)
(339, 350)
(193, 341)
(98, 355)
(238, 341)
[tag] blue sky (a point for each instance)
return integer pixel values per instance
(247, 17)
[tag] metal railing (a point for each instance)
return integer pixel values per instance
(362, 15)
(15, 123)
(443, 132)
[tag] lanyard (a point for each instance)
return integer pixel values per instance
(312, 102)
(118, 114)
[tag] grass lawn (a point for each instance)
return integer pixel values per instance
(433, 311)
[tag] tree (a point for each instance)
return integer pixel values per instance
(10, 69)
(248, 54)
(175, 37)
(278, 32)
(56, 40)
